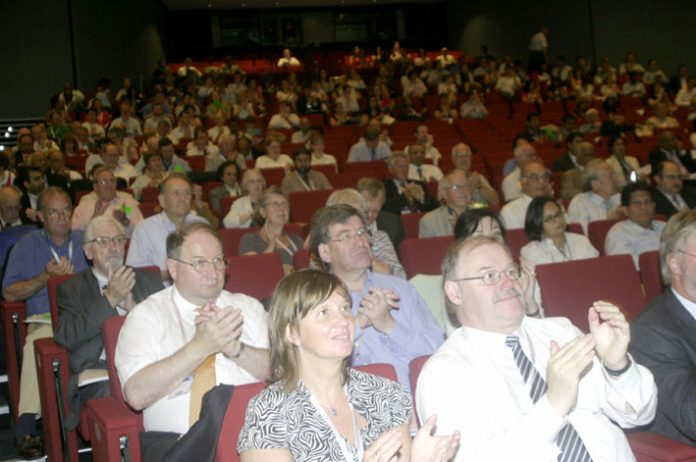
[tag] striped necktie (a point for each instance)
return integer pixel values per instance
(568, 441)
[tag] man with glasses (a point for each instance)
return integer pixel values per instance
(536, 182)
(663, 334)
(89, 298)
(670, 194)
(106, 201)
(393, 322)
(10, 207)
(523, 388)
(182, 341)
(37, 256)
(147, 246)
(455, 191)
(522, 154)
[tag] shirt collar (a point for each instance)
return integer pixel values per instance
(686, 303)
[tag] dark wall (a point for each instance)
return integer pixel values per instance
(651, 28)
(113, 39)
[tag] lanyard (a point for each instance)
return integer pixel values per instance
(343, 446)
(308, 187)
(56, 257)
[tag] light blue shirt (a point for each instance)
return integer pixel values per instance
(359, 152)
(415, 332)
(631, 238)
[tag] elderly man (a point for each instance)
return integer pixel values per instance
(182, 341)
(56, 160)
(481, 190)
(111, 157)
(640, 232)
(10, 207)
(522, 154)
(535, 181)
(88, 299)
(455, 190)
(303, 178)
(570, 158)
(105, 200)
(393, 322)
(370, 148)
(670, 194)
(418, 170)
(663, 337)
(523, 388)
(404, 195)
(147, 242)
(600, 200)
(51, 251)
(571, 180)
(377, 219)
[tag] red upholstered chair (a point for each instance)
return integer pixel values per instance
(424, 256)
(569, 288)
(381, 369)
(575, 228)
(516, 238)
(414, 370)
(225, 204)
(234, 420)
(410, 222)
(231, 237)
(14, 331)
(149, 194)
(303, 204)
(300, 259)
(197, 163)
(651, 447)
(254, 275)
(149, 208)
(350, 179)
(113, 425)
(273, 176)
(650, 274)
(597, 233)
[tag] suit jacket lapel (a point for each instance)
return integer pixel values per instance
(683, 321)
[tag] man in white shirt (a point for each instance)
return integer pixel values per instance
(539, 49)
(600, 200)
(284, 119)
(640, 232)
(126, 122)
(288, 60)
(528, 389)
(535, 181)
(422, 136)
(418, 170)
(523, 153)
(176, 339)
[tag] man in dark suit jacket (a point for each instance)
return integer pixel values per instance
(670, 194)
(403, 194)
(87, 299)
(569, 159)
(663, 334)
(668, 149)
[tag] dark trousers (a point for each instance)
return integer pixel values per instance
(200, 442)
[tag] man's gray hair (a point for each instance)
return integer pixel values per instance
(98, 222)
(679, 228)
(591, 173)
(351, 197)
(396, 154)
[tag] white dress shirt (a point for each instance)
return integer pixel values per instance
(631, 238)
(427, 173)
(588, 206)
(512, 189)
(474, 386)
(159, 327)
(241, 206)
(283, 161)
(513, 213)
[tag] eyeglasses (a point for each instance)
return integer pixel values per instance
(493, 277)
(553, 217)
(350, 236)
(55, 212)
(459, 187)
(199, 266)
(545, 177)
(104, 241)
(105, 181)
(687, 253)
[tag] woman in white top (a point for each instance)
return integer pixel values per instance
(246, 207)
(622, 164)
(273, 157)
(545, 226)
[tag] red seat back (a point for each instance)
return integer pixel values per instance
(303, 204)
(569, 288)
(300, 259)
(414, 370)
(254, 275)
(14, 332)
(650, 274)
(225, 204)
(515, 239)
(410, 222)
(231, 238)
(52, 285)
(424, 256)
(597, 233)
(149, 194)
(234, 420)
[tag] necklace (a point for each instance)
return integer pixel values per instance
(330, 409)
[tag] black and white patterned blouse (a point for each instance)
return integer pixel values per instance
(276, 420)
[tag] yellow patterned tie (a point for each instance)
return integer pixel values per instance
(203, 381)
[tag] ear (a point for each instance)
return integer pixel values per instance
(324, 253)
(171, 268)
(673, 264)
(40, 216)
(87, 249)
(292, 336)
(452, 292)
(160, 199)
